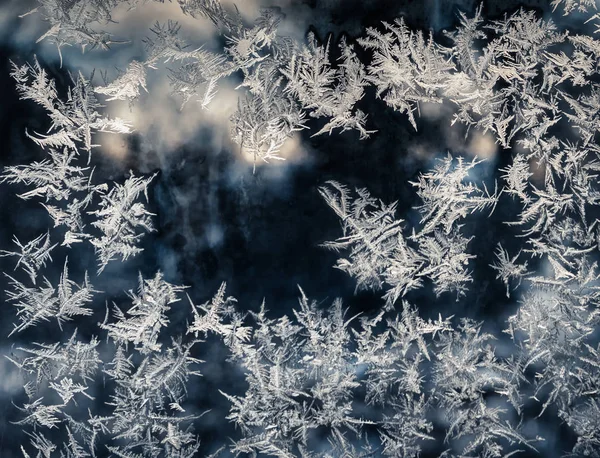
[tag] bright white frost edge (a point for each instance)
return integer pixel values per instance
(312, 372)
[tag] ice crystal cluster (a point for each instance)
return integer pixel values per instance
(310, 377)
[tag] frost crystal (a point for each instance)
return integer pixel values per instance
(33, 255)
(118, 218)
(147, 315)
(41, 303)
(310, 375)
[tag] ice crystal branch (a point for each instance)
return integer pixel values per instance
(33, 255)
(127, 85)
(73, 120)
(447, 198)
(299, 378)
(380, 253)
(41, 303)
(119, 217)
(325, 91)
(147, 315)
(508, 268)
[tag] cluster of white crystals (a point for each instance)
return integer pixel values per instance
(309, 376)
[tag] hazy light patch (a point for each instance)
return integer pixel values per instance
(295, 21)
(538, 171)
(162, 123)
(249, 9)
(129, 27)
(248, 159)
(20, 31)
(536, 168)
(157, 115)
(214, 235)
(11, 380)
(454, 136)
(138, 21)
(482, 145)
(433, 111)
(422, 152)
(114, 146)
(477, 144)
(293, 151)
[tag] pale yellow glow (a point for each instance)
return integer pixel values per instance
(482, 145)
(113, 145)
